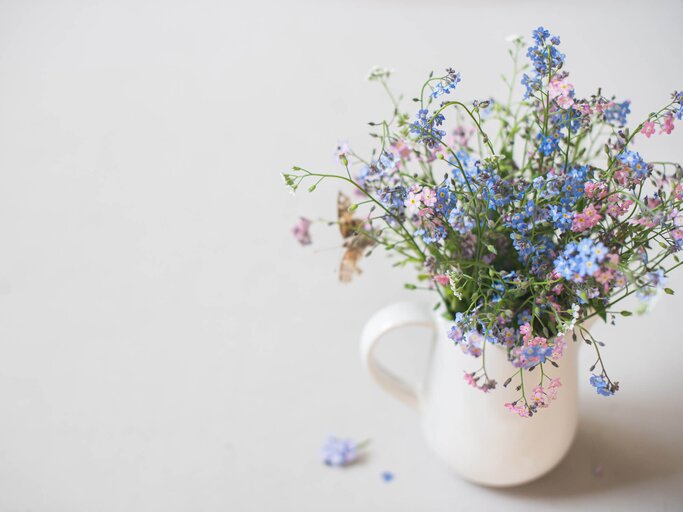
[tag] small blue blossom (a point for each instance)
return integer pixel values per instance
(541, 55)
(518, 222)
(425, 127)
(524, 317)
(394, 199)
(617, 114)
(567, 118)
(536, 354)
(561, 217)
(580, 260)
(470, 167)
(540, 35)
(459, 221)
(530, 84)
(447, 85)
(339, 452)
(601, 386)
(387, 476)
(387, 161)
(654, 283)
(445, 200)
(549, 144)
(371, 175)
(633, 160)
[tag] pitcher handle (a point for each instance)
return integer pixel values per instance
(402, 314)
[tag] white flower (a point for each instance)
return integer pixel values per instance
(377, 73)
(453, 278)
(412, 203)
(568, 327)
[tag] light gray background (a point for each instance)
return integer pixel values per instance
(164, 343)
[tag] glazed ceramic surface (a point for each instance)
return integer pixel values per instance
(471, 431)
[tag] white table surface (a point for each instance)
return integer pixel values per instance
(164, 343)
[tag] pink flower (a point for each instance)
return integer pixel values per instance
(442, 279)
(469, 378)
(586, 219)
(604, 276)
(648, 222)
(559, 347)
(525, 330)
(584, 108)
(589, 188)
(300, 231)
(565, 102)
(560, 88)
(552, 388)
(622, 175)
(402, 149)
(652, 202)
(461, 135)
(603, 105)
(667, 125)
(648, 129)
(429, 197)
(615, 208)
(518, 408)
(595, 189)
(678, 191)
(539, 398)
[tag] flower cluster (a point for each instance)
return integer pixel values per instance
(580, 260)
(524, 236)
(603, 386)
(339, 452)
(540, 398)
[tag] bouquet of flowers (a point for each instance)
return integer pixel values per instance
(527, 216)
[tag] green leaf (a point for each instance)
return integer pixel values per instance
(668, 291)
(409, 286)
(491, 249)
(626, 313)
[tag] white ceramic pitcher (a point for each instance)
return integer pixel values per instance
(470, 430)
